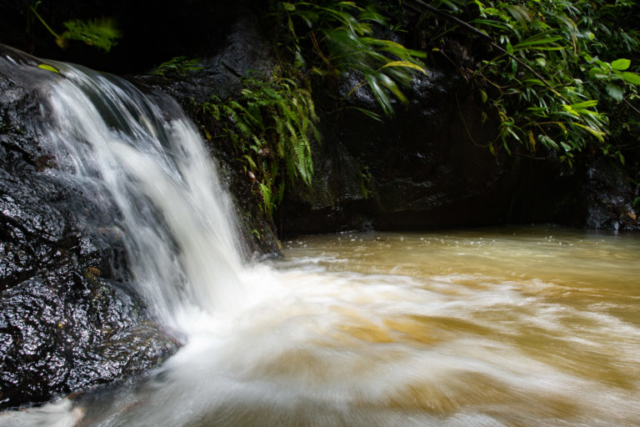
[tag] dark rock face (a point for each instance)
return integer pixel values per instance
(243, 51)
(609, 198)
(430, 167)
(68, 318)
(424, 168)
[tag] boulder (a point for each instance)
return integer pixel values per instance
(426, 167)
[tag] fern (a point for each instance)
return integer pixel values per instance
(99, 33)
(178, 65)
(271, 125)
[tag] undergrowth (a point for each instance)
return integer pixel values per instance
(332, 37)
(556, 74)
(271, 126)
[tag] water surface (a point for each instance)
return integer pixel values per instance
(492, 327)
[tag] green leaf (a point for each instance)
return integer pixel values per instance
(548, 142)
(288, 7)
(537, 41)
(101, 33)
(631, 77)
(615, 92)
(597, 73)
(566, 146)
(621, 64)
(598, 134)
(49, 68)
(368, 113)
(533, 82)
(484, 96)
(405, 64)
(250, 161)
(585, 104)
(519, 13)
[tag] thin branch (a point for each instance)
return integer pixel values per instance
(631, 106)
(33, 9)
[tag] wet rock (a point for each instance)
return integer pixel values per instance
(430, 167)
(66, 333)
(69, 318)
(609, 195)
(426, 167)
(243, 52)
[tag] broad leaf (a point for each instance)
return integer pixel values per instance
(597, 73)
(631, 77)
(49, 68)
(615, 92)
(621, 64)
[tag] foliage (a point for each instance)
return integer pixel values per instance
(274, 121)
(343, 37)
(556, 73)
(178, 65)
(270, 126)
(100, 33)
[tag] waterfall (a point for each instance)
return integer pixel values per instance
(175, 219)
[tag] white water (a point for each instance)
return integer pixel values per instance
(468, 329)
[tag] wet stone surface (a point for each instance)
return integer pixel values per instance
(69, 317)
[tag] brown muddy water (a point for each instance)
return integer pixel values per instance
(534, 326)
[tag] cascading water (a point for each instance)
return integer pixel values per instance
(470, 329)
(175, 219)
